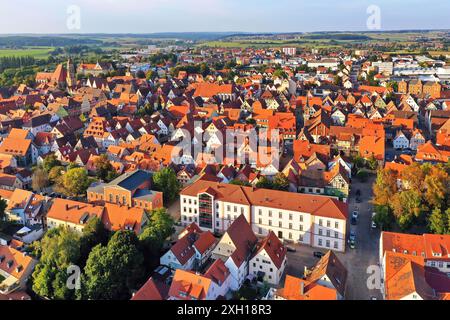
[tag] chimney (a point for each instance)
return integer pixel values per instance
(302, 288)
(67, 207)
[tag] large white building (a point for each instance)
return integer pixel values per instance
(319, 221)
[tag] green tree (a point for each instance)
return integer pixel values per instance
(114, 270)
(372, 163)
(49, 162)
(281, 182)
(75, 182)
(240, 183)
(384, 188)
(166, 181)
(383, 217)
(94, 233)
(358, 161)
(146, 110)
(407, 206)
(104, 169)
(39, 179)
(159, 228)
(264, 183)
(438, 222)
(3, 205)
(437, 185)
(279, 73)
(55, 173)
(57, 250)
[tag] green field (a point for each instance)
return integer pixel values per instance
(324, 40)
(36, 52)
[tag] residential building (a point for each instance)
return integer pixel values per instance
(72, 214)
(191, 251)
(15, 269)
(269, 260)
(319, 221)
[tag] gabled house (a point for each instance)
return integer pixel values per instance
(191, 251)
(400, 140)
(269, 260)
(15, 269)
(235, 248)
(213, 284)
(329, 272)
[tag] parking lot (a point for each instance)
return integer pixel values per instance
(355, 260)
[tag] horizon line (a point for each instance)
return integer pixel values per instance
(225, 32)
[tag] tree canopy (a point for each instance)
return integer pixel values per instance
(166, 181)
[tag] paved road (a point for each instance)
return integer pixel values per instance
(355, 260)
(367, 243)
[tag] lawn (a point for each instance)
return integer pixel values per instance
(36, 52)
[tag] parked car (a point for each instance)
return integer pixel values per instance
(358, 193)
(352, 236)
(373, 224)
(352, 244)
(355, 214)
(290, 249)
(353, 221)
(318, 254)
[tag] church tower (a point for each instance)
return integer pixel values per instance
(70, 74)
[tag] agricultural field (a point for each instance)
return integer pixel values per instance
(36, 52)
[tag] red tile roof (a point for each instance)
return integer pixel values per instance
(313, 204)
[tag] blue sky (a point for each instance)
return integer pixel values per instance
(147, 16)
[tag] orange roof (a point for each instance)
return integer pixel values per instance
(73, 211)
(17, 147)
(187, 285)
(404, 276)
(16, 259)
(116, 217)
(402, 242)
(299, 289)
(372, 89)
(208, 90)
(313, 204)
(396, 167)
(152, 290)
(19, 198)
(430, 152)
(370, 145)
(18, 133)
(5, 194)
